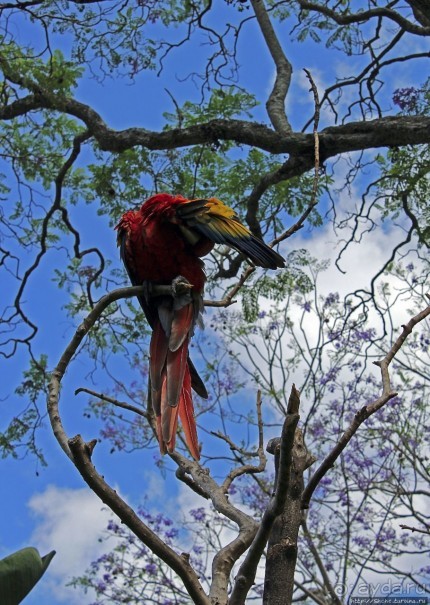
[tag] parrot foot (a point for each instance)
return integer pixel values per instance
(180, 286)
(181, 292)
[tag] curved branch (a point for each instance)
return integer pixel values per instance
(81, 457)
(227, 556)
(201, 482)
(353, 136)
(276, 102)
(347, 19)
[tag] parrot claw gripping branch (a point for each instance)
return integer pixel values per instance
(162, 244)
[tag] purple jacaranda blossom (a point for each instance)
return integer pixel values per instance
(331, 299)
(406, 98)
(151, 569)
(198, 514)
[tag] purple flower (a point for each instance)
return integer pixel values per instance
(329, 377)
(307, 307)
(171, 533)
(112, 526)
(406, 98)
(151, 569)
(100, 587)
(365, 334)
(331, 299)
(198, 514)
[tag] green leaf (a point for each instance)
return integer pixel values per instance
(20, 572)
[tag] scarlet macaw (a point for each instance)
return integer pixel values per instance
(160, 242)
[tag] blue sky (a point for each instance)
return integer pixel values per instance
(31, 492)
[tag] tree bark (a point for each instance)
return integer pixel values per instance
(282, 546)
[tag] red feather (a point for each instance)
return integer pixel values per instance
(162, 240)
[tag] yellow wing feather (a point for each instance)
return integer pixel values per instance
(220, 223)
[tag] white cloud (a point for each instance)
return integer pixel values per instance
(69, 521)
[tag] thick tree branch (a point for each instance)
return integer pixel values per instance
(365, 15)
(276, 102)
(421, 10)
(246, 574)
(81, 456)
(354, 136)
(282, 550)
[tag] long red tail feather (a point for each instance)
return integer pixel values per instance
(186, 413)
(171, 391)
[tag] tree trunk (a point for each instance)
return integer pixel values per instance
(282, 545)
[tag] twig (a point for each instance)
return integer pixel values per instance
(414, 529)
(248, 468)
(229, 298)
(327, 583)
(311, 594)
(119, 404)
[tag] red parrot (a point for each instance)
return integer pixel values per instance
(161, 244)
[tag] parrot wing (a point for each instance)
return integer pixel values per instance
(219, 223)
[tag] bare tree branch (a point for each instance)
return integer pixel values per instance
(416, 529)
(383, 132)
(366, 411)
(119, 404)
(276, 103)
(81, 457)
(326, 579)
(365, 15)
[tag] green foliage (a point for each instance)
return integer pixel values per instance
(35, 379)
(19, 437)
(278, 287)
(126, 42)
(117, 180)
(56, 75)
(404, 186)
(223, 103)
